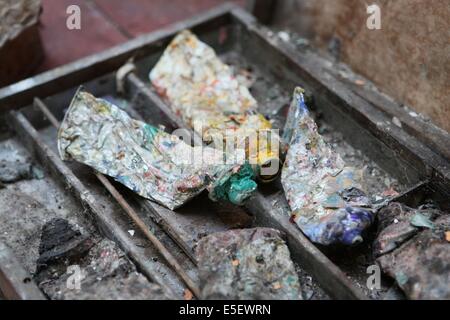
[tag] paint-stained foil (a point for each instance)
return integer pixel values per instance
(203, 90)
(149, 161)
(326, 196)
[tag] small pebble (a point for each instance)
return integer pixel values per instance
(283, 35)
(397, 122)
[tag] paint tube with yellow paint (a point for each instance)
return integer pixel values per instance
(203, 90)
(156, 165)
(324, 194)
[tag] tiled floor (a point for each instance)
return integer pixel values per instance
(105, 23)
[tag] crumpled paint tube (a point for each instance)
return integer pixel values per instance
(203, 90)
(151, 162)
(325, 195)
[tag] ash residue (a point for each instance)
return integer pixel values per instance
(21, 220)
(74, 266)
(310, 288)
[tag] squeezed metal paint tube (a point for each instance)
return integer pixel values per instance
(203, 90)
(156, 165)
(324, 194)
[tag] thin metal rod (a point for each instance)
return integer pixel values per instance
(48, 114)
(132, 213)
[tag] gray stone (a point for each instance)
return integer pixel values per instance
(14, 171)
(246, 264)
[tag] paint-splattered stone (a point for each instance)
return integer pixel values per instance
(421, 266)
(246, 264)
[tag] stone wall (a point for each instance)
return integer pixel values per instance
(409, 58)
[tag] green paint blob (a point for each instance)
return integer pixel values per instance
(150, 133)
(236, 188)
(401, 278)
